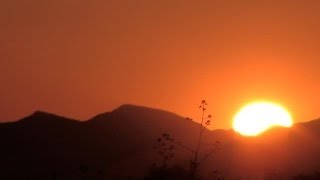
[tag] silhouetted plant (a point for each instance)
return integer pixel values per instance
(204, 123)
(172, 173)
(54, 176)
(84, 171)
(90, 174)
(273, 174)
(165, 148)
(215, 175)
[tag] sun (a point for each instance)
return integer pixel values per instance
(257, 117)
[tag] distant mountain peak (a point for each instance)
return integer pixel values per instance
(44, 116)
(131, 111)
(42, 113)
(132, 107)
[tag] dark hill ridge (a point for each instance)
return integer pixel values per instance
(41, 115)
(44, 143)
(139, 120)
(129, 109)
(46, 119)
(120, 144)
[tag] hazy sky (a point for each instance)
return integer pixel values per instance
(78, 58)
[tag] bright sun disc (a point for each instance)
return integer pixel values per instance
(257, 117)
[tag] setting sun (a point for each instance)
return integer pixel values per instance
(257, 117)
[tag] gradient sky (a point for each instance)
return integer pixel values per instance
(78, 58)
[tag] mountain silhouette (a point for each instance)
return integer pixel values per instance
(119, 144)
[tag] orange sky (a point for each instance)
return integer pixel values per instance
(78, 58)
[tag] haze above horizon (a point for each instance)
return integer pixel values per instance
(79, 58)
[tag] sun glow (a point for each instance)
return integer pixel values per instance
(257, 117)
